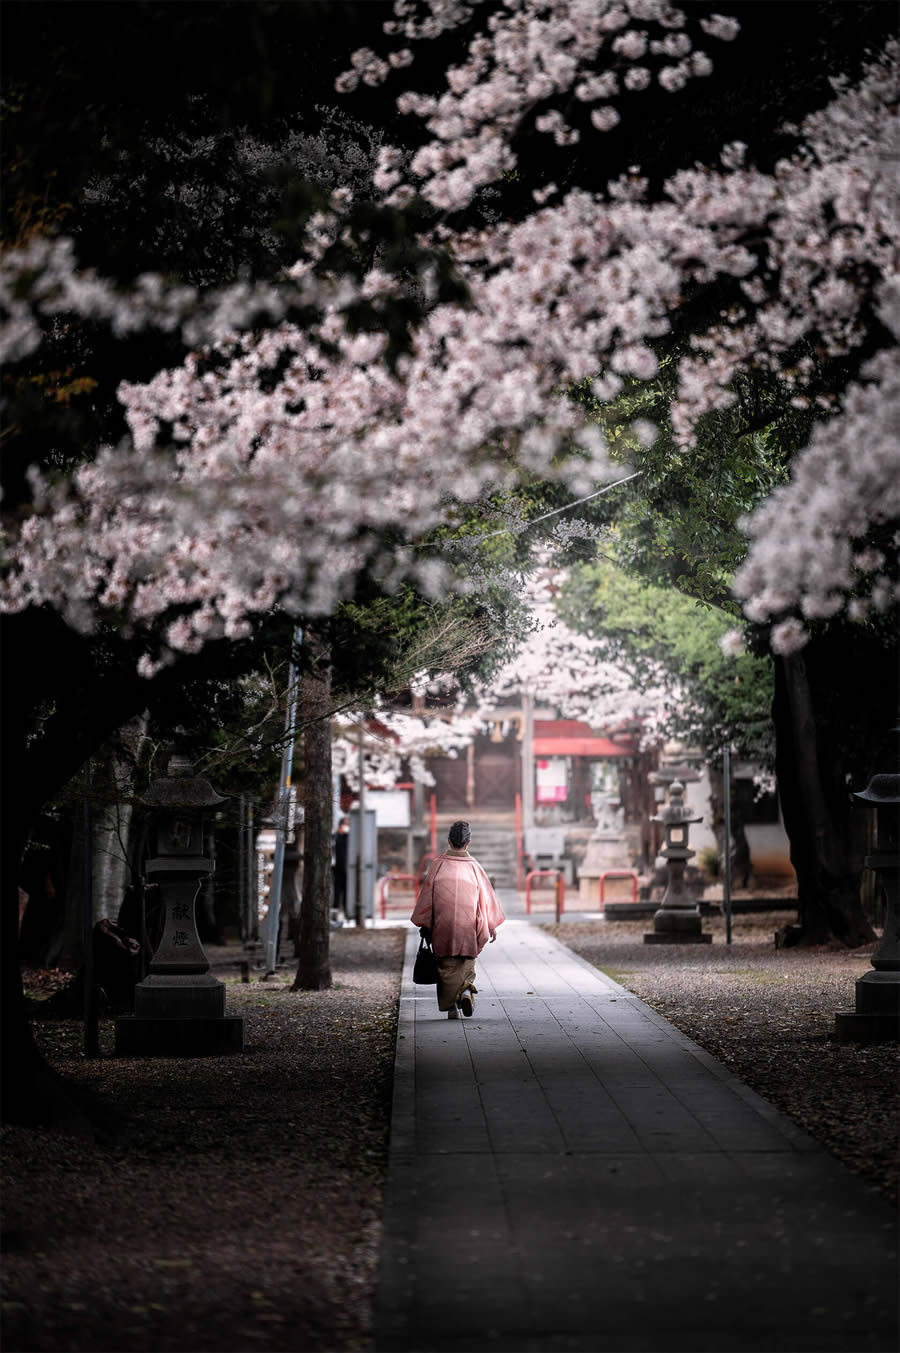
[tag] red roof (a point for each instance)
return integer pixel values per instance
(571, 737)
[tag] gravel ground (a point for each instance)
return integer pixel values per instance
(235, 1202)
(768, 1014)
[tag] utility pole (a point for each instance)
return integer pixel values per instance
(282, 812)
(360, 865)
(527, 765)
(726, 842)
(91, 1046)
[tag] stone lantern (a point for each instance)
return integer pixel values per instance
(179, 1007)
(877, 1013)
(678, 919)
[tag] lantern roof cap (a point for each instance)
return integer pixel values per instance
(881, 789)
(181, 788)
(676, 810)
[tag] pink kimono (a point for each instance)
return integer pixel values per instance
(461, 910)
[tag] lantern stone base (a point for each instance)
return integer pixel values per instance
(876, 1018)
(677, 926)
(676, 937)
(168, 995)
(179, 1037)
(178, 1014)
(856, 1026)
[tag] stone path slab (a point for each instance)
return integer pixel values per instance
(570, 1172)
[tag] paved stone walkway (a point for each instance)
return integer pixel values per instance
(570, 1172)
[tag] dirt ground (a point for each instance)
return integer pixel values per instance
(235, 1202)
(768, 1014)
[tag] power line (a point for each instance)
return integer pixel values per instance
(509, 530)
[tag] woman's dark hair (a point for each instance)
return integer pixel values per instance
(459, 834)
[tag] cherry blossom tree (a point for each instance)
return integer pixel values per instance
(805, 255)
(809, 253)
(561, 666)
(276, 439)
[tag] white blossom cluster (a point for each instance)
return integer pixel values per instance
(42, 288)
(270, 495)
(806, 538)
(409, 740)
(42, 279)
(559, 666)
(532, 51)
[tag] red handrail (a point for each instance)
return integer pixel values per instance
(619, 874)
(560, 888)
(383, 889)
(423, 867)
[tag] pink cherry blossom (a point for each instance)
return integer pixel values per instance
(281, 496)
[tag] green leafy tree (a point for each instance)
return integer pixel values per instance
(726, 699)
(833, 704)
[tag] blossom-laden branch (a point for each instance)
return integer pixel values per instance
(404, 745)
(560, 667)
(846, 481)
(532, 51)
(276, 464)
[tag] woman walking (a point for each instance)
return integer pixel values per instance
(458, 912)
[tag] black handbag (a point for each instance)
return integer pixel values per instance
(425, 972)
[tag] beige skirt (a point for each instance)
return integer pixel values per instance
(454, 975)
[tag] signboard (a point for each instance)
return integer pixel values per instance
(391, 806)
(552, 780)
(369, 852)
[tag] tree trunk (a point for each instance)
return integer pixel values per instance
(741, 860)
(64, 696)
(313, 968)
(832, 712)
(31, 1091)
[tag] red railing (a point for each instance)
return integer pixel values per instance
(520, 871)
(384, 884)
(619, 874)
(560, 888)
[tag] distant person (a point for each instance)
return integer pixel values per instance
(339, 869)
(458, 912)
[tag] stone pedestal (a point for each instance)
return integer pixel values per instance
(607, 849)
(876, 1018)
(677, 925)
(179, 1037)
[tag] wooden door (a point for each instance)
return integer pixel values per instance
(495, 781)
(450, 782)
